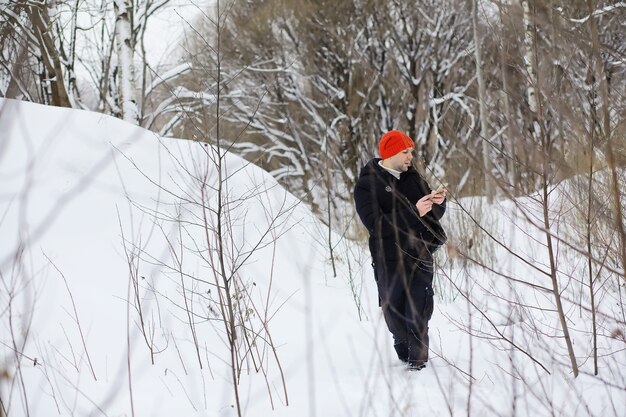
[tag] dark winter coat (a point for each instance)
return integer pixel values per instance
(386, 206)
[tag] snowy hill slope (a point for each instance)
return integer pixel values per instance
(108, 263)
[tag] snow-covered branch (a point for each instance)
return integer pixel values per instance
(606, 9)
(169, 75)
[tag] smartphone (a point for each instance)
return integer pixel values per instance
(440, 189)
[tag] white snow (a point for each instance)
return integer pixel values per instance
(73, 182)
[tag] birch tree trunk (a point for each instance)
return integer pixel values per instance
(529, 56)
(125, 53)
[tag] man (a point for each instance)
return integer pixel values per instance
(402, 214)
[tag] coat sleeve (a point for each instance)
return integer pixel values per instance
(439, 210)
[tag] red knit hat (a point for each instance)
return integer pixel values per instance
(394, 142)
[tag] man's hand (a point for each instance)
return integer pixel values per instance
(425, 204)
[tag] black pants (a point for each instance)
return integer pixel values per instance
(406, 297)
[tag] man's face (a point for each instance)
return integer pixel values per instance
(400, 161)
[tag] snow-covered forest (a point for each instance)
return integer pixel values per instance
(225, 289)
(498, 95)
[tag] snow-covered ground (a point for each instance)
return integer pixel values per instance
(103, 235)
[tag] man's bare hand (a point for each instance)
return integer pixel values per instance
(424, 205)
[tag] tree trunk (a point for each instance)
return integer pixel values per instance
(529, 56)
(125, 54)
(15, 88)
(511, 134)
(484, 140)
(42, 26)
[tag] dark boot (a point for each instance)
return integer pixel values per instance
(402, 350)
(416, 365)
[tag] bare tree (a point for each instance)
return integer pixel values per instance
(28, 26)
